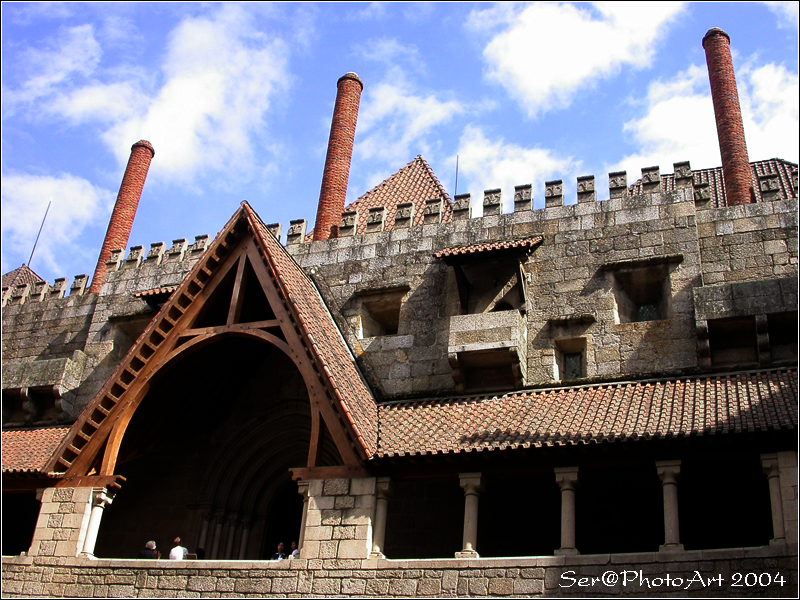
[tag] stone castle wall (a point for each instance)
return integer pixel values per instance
(757, 572)
(571, 281)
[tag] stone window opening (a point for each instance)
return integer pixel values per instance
(642, 288)
(733, 342)
(379, 312)
(782, 329)
(570, 359)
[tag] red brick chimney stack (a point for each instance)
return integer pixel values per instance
(337, 162)
(119, 226)
(732, 146)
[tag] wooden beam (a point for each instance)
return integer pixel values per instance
(315, 443)
(317, 391)
(237, 297)
(269, 324)
(97, 481)
(463, 288)
(340, 472)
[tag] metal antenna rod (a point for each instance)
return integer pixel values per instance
(40, 233)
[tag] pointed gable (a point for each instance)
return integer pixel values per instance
(246, 284)
(414, 183)
(21, 276)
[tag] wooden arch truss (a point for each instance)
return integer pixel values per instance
(244, 262)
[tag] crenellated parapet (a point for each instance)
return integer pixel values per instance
(180, 256)
(652, 189)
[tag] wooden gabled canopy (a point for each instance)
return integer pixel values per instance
(245, 284)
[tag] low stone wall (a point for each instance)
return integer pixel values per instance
(767, 572)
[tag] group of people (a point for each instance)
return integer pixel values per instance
(177, 553)
(180, 552)
(280, 555)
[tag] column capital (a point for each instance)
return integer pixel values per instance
(302, 489)
(471, 482)
(101, 498)
(384, 487)
(668, 470)
(567, 477)
(769, 464)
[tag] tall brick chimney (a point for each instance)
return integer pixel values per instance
(732, 146)
(119, 226)
(337, 162)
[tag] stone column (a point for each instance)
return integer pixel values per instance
(472, 484)
(302, 489)
(567, 480)
(668, 472)
(769, 463)
(219, 517)
(383, 490)
(205, 518)
(99, 501)
(233, 525)
(245, 537)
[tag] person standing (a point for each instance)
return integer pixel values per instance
(178, 552)
(279, 555)
(149, 551)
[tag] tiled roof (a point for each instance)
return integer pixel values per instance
(323, 338)
(716, 184)
(415, 183)
(490, 247)
(20, 276)
(28, 450)
(716, 404)
(156, 291)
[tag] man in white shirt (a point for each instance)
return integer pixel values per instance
(178, 552)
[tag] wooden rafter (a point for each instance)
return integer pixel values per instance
(99, 431)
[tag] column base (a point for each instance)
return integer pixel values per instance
(88, 555)
(777, 542)
(567, 552)
(467, 554)
(671, 548)
(377, 555)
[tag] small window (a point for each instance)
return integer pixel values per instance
(783, 336)
(570, 358)
(642, 294)
(733, 342)
(379, 313)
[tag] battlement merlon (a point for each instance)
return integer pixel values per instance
(652, 189)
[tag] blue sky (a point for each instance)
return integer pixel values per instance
(237, 101)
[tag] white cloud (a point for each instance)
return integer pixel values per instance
(679, 122)
(76, 205)
(73, 55)
(770, 113)
(487, 164)
(219, 76)
(787, 13)
(395, 112)
(547, 53)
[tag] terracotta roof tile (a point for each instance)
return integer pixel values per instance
(156, 291)
(28, 450)
(742, 402)
(716, 184)
(490, 247)
(20, 276)
(415, 183)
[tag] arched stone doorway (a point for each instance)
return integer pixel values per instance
(207, 455)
